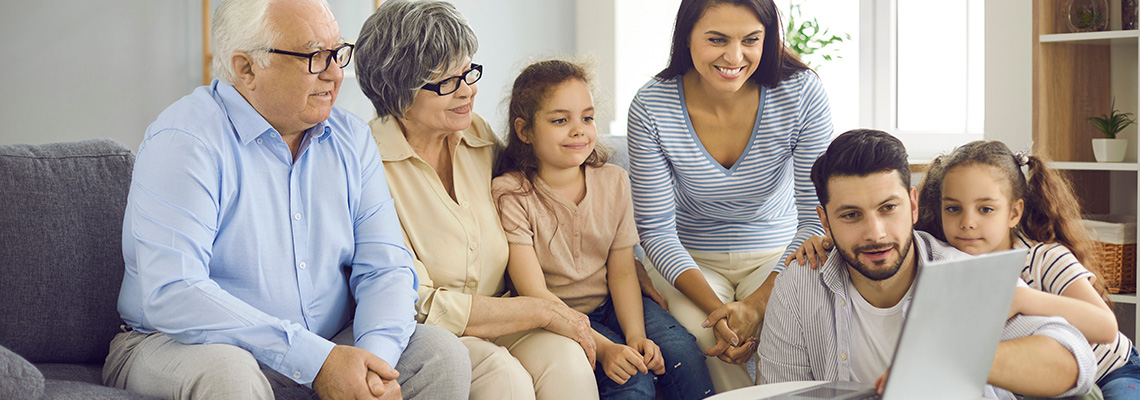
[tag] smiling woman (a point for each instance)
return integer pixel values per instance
(721, 143)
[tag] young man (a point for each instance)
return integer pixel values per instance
(868, 210)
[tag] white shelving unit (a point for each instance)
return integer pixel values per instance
(1075, 76)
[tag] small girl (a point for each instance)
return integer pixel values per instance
(977, 199)
(569, 222)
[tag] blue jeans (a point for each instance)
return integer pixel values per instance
(1123, 382)
(686, 376)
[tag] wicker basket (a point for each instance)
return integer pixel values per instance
(1116, 250)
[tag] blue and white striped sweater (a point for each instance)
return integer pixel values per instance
(683, 198)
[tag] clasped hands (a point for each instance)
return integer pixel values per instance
(735, 326)
(354, 373)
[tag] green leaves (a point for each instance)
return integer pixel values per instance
(808, 39)
(1112, 123)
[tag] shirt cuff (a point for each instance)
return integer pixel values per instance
(382, 346)
(305, 358)
(448, 310)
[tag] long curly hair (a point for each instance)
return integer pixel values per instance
(1052, 213)
(532, 87)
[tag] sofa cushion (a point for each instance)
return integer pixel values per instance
(18, 378)
(62, 258)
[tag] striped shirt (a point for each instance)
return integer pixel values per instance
(683, 198)
(801, 338)
(1051, 268)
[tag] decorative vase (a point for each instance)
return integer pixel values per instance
(1109, 150)
(1127, 14)
(1087, 15)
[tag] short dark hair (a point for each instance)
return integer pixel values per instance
(859, 152)
(777, 64)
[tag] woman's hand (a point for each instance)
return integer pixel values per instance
(621, 362)
(741, 318)
(650, 354)
(570, 323)
(813, 251)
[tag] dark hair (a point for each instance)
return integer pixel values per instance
(859, 152)
(531, 88)
(777, 63)
(1052, 213)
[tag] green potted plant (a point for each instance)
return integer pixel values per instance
(1110, 148)
(809, 40)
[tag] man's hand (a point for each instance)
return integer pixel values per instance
(570, 323)
(354, 373)
(647, 288)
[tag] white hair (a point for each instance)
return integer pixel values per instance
(242, 26)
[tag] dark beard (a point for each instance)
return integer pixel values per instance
(865, 270)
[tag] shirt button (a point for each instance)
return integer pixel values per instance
(473, 246)
(842, 303)
(465, 205)
(296, 374)
(303, 265)
(471, 284)
(258, 140)
(297, 216)
(843, 356)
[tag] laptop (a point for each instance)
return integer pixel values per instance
(950, 334)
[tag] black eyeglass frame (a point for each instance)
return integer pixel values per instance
(312, 56)
(435, 87)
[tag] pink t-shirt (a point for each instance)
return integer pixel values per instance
(572, 241)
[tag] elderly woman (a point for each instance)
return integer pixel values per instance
(414, 64)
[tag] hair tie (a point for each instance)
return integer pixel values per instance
(1022, 158)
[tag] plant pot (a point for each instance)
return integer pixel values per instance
(1087, 15)
(1109, 150)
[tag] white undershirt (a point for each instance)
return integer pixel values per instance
(874, 335)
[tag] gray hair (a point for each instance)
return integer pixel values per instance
(404, 45)
(242, 26)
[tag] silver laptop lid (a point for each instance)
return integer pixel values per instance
(953, 327)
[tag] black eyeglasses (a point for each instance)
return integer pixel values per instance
(320, 60)
(450, 85)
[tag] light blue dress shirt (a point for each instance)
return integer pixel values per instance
(228, 239)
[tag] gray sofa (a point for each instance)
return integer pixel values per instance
(61, 265)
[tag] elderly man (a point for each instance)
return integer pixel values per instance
(868, 210)
(262, 248)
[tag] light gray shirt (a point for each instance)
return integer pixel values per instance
(806, 333)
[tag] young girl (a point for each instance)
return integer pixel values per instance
(977, 199)
(569, 222)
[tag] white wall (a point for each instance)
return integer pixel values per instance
(80, 69)
(1009, 73)
(512, 33)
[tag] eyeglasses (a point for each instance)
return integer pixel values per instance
(450, 85)
(320, 60)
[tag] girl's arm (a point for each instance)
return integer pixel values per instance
(626, 295)
(526, 273)
(1079, 304)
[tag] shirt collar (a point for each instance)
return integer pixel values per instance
(394, 146)
(249, 123)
